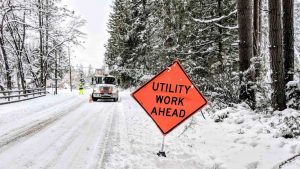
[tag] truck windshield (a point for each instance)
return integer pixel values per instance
(109, 80)
(97, 80)
(104, 80)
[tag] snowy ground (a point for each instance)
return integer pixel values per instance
(66, 131)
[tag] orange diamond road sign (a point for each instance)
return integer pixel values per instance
(170, 98)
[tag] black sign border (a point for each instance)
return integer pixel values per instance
(166, 69)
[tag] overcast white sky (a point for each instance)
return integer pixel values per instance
(96, 12)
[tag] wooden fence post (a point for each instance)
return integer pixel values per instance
(8, 94)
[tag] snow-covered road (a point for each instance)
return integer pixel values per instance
(66, 131)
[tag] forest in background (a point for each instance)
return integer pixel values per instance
(234, 50)
(35, 41)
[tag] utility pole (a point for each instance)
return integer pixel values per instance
(70, 68)
(55, 71)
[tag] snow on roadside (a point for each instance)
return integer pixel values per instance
(243, 140)
(16, 111)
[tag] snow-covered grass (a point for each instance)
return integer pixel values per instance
(244, 139)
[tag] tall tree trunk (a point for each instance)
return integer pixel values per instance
(257, 37)
(6, 64)
(40, 16)
(21, 54)
(277, 61)
(245, 18)
(288, 39)
(4, 53)
(220, 37)
(47, 43)
(256, 27)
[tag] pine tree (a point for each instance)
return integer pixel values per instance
(201, 34)
(126, 49)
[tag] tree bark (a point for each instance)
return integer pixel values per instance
(245, 18)
(7, 68)
(4, 53)
(276, 55)
(40, 16)
(288, 39)
(24, 85)
(257, 37)
(256, 27)
(47, 43)
(220, 37)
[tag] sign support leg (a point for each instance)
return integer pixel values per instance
(162, 153)
(203, 115)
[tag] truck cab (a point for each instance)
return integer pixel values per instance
(105, 87)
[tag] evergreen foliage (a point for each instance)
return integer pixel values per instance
(147, 35)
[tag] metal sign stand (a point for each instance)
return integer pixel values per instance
(162, 153)
(203, 115)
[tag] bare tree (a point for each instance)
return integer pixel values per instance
(6, 8)
(27, 30)
(16, 40)
(41, 42)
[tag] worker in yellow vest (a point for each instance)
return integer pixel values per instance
(81, 92)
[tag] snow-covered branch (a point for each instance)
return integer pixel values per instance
(216, 19)
(226, 27)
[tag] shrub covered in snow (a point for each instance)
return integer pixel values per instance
(234, 112)
(279, 123)
(222, 114)
(293, 94)
(286, 123)
(291, 127)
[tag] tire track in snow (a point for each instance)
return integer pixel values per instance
(43, 149)
(80, 138)
(116, 146)
(69, 138)
(80, 153)
(103, 144)
(27, 130)
(93, 140)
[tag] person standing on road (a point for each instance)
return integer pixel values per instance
(81, 92)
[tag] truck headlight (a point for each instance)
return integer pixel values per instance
(101, 90)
